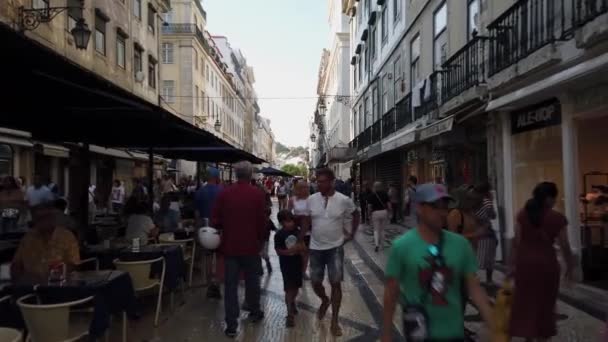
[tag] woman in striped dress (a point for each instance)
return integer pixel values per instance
(486, 238)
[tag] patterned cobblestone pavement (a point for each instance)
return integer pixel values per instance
(196, 318)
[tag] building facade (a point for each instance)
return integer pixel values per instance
(264, 143)
(334, 89)
(124, 49)
(505, 91)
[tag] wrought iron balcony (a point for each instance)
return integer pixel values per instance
(428, 103)
(184, 28)
(388, 123)
(365, 138)
(526, 27)
(404, 112)
(464, 70)
(376, 131)
(587, 10)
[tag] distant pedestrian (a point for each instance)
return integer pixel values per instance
(486, 238)
(282, 195)
(379, 208)
(535, 265)
(38, 193)
(117, 197)
(204, 200)
(334, 221)
(289, 251)
(364, 194)
(393, 195)
(409, 206)
(139, 224)
(298, 205)
(239, 214)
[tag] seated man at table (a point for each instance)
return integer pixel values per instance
(44, 245)
(139, 223)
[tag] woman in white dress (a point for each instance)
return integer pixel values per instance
(298, 205)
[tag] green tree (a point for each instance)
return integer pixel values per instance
(280, 148)
(295, 170)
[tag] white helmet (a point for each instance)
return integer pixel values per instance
(209, 238)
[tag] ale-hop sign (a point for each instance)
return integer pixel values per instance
(538, 116)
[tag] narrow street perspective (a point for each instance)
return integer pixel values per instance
(319, 170)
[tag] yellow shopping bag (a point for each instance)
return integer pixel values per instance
(502, 313)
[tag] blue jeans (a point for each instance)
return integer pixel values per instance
(233, 265)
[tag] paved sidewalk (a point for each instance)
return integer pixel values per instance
(580, 310)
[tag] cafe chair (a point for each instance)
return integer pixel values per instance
(188, 248)
(10, 335)
(51, 322)
(140, 275)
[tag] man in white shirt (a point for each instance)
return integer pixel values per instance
(334, 220)
(38, 193)
(117, 197)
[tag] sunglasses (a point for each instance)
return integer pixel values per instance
(434, 252)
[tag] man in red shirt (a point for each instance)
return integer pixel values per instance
(239, 214)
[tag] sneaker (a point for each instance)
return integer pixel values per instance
(230, 332)
(256, 317)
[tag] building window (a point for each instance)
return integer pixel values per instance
(355, 69)
(168, 17)
(74, 13)
(368, 116)
(6, 160)
(372, 41)
(440, 21)
(473, 17)
(151, 18)
(137, 9)
(361, 118)
(359, 67)
(137, 60)
(169, 91)
(100, 34)
(384, 94)
(397, 10)
(415, 61)
(151, 72)
(204, 103)
(167, 53)
(355, 122)
(195, 59)
(397, 76)
(384, 30)
(368, 8)
(374, 110)
(195, 100)
(366, 56)
(40, 4)
(121, 50)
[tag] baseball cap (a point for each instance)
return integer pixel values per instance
(429, 193)
(213, 172)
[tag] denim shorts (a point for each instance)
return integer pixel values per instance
(333, 259)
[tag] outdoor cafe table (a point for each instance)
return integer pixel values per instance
(112, 291)
(173, 254)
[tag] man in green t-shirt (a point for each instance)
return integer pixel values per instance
(428, 267)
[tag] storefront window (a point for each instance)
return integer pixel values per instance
(6, 160)
(537, 157)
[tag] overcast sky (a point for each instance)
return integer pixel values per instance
(283, 41)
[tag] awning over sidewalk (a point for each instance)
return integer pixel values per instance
(59, 101)
(209, 154)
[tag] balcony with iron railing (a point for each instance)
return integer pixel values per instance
(464, 70)
(526, 27)
(377, 131)
(428, 102)
(184, 28)
(388, 123)
(404, 112)
(587, 10)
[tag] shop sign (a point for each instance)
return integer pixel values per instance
(437, 128)
(538, 116)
